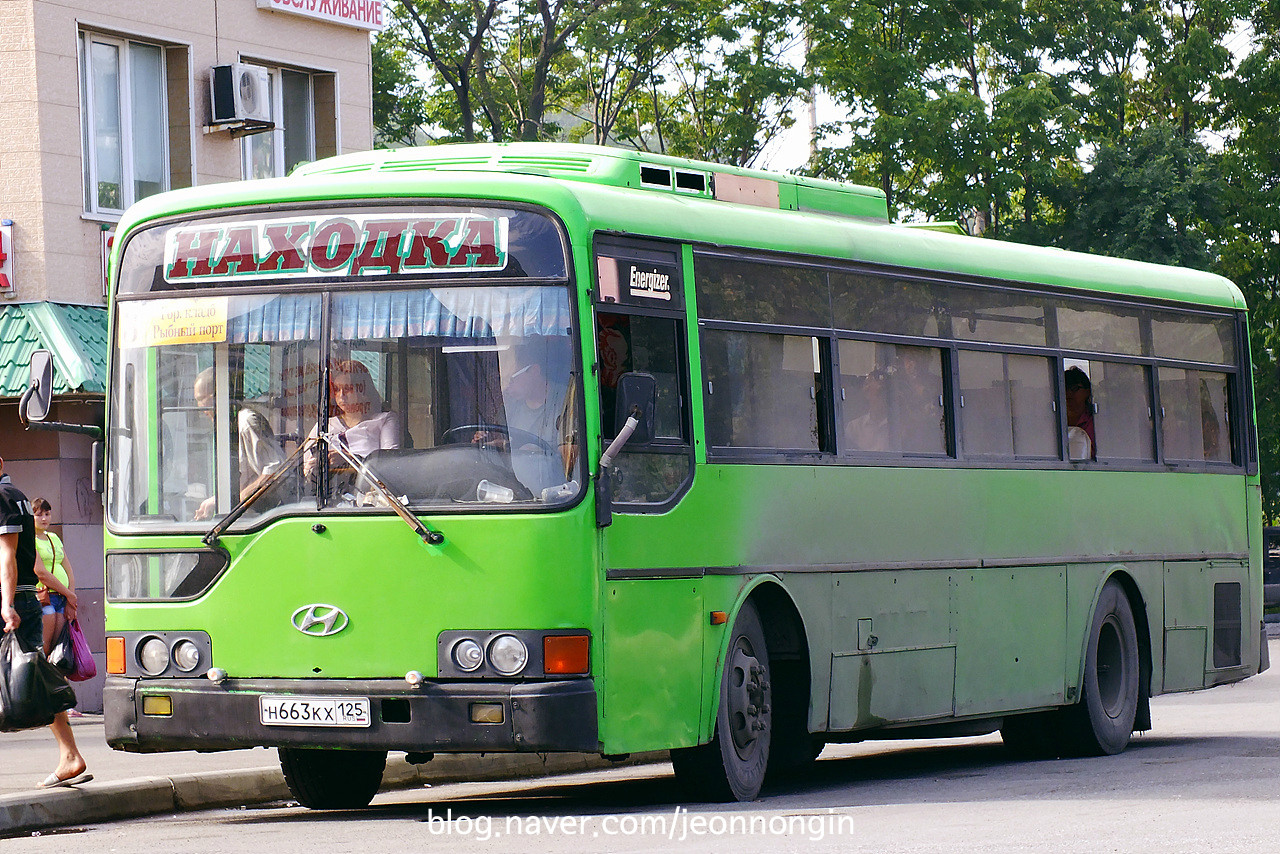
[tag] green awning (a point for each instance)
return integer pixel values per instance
(75, 334)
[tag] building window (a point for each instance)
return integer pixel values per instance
(124, 122)
(275, 153)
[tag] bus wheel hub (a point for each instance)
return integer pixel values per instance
(748, 697)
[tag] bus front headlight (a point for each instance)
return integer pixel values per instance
(467, 655)
(153, 656)
(508, 655)
(186, 656)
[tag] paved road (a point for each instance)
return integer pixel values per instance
(1206, 779)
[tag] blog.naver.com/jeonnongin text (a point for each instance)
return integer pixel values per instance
(677, 825)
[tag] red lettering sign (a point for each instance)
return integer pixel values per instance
(428, 248)
(286, 254)
(334, 244)
(479, 246)
(194, 251)
(365, 14)
(239, 255)
(381, 252)
(340, 245)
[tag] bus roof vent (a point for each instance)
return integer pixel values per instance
(622, 168)
(432, 163)
(579, 165)
(336, 170)
(691, 182)
(655, 176)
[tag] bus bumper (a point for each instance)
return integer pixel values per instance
(436, 717)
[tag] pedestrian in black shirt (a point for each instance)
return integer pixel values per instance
(21, 612)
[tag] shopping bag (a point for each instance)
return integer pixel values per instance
(32, 691)
(63, 654)
(86, 667)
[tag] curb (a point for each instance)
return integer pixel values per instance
(145, 796)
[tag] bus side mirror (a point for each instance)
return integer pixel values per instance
(636, 392)
(633, 418)
(36, 400)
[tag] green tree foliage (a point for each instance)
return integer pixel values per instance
(689, 77)
(493, 62)
(619, 56)
(1152, 196)
(885, 64)
(399, 103)
(1249, 242)
(734, 87)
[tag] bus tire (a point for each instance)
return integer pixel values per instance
(732, 765)
(1102, 722)
(332, 779)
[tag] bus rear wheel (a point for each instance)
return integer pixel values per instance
(332, 779)
(1102, 722)
(732, 765)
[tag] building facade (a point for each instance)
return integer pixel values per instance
(103, 103)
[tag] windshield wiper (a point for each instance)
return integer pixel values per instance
(429, 536)
(264, 485)
(331, 441)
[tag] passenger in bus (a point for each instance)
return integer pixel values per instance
(259, 451)
(1081, 441)
(358, 420)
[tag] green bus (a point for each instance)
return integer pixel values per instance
(623, 452)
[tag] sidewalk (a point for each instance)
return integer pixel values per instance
(127, 785)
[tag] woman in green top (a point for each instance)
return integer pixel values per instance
(57, 581)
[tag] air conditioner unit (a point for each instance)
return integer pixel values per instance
(239, 93)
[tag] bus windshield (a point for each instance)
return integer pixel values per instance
(461, 398)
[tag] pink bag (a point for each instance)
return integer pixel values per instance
(86, 668)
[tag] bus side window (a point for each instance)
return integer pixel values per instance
(761, 391)
(633, 342)
(1122, 411)
(1007, 405)
(1195, 426)
(892, 399)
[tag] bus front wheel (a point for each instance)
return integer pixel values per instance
(1102, 721)
(732, 765)
(332, 779)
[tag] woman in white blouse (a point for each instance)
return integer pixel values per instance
(358, 421)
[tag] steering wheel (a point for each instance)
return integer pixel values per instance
(515, 436)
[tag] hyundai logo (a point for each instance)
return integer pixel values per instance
(320, 621)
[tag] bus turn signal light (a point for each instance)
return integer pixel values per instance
(566, 654)
(115, 656)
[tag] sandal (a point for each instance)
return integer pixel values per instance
(53, 781)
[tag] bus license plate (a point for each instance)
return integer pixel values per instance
(314, 711)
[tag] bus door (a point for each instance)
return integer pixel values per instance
(653, 637)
